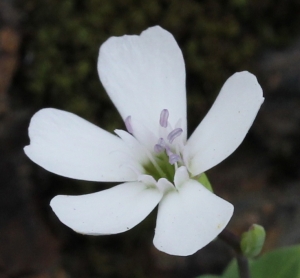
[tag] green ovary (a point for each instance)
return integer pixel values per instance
(163, 169)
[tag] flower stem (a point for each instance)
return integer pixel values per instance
(234, 241)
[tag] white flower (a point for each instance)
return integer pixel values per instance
(145, 78)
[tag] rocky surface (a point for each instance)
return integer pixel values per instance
(27, 247)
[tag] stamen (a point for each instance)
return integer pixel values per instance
(173, 158)
(168, 150)
(173, 134)
(158, 148)
(164, 115)
(161, 142)
(128, 124)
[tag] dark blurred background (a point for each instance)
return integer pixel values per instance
(48, 54)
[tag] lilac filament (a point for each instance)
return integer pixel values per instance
(164, 115)
(128, 124)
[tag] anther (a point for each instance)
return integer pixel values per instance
(164, 115)
(160, 146)
(173, 158)
(128, 124)
(173, 134)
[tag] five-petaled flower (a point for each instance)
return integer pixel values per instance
(145, 78)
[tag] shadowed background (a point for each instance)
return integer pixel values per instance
(48, 54)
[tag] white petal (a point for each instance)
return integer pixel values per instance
(226, 124)
(110, 211)
(181, 176)
(137, 150)
(144, 75)
(144, 135)
(68, 145)
(190, 218)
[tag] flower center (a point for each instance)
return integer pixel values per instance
(165, 144)
(165, 157)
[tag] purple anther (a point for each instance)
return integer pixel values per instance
(160, 146)
(128, 124)
(173, 134)
(161, 142)
(164, 115)
(168, 150)
(173, 158)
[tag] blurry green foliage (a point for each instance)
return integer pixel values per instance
(280, 263)
(209, 276)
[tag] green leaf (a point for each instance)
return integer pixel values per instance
(231, 271)
(253, 240)
(203, 179)
(281, 263)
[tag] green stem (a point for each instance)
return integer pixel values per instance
(234, 241)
